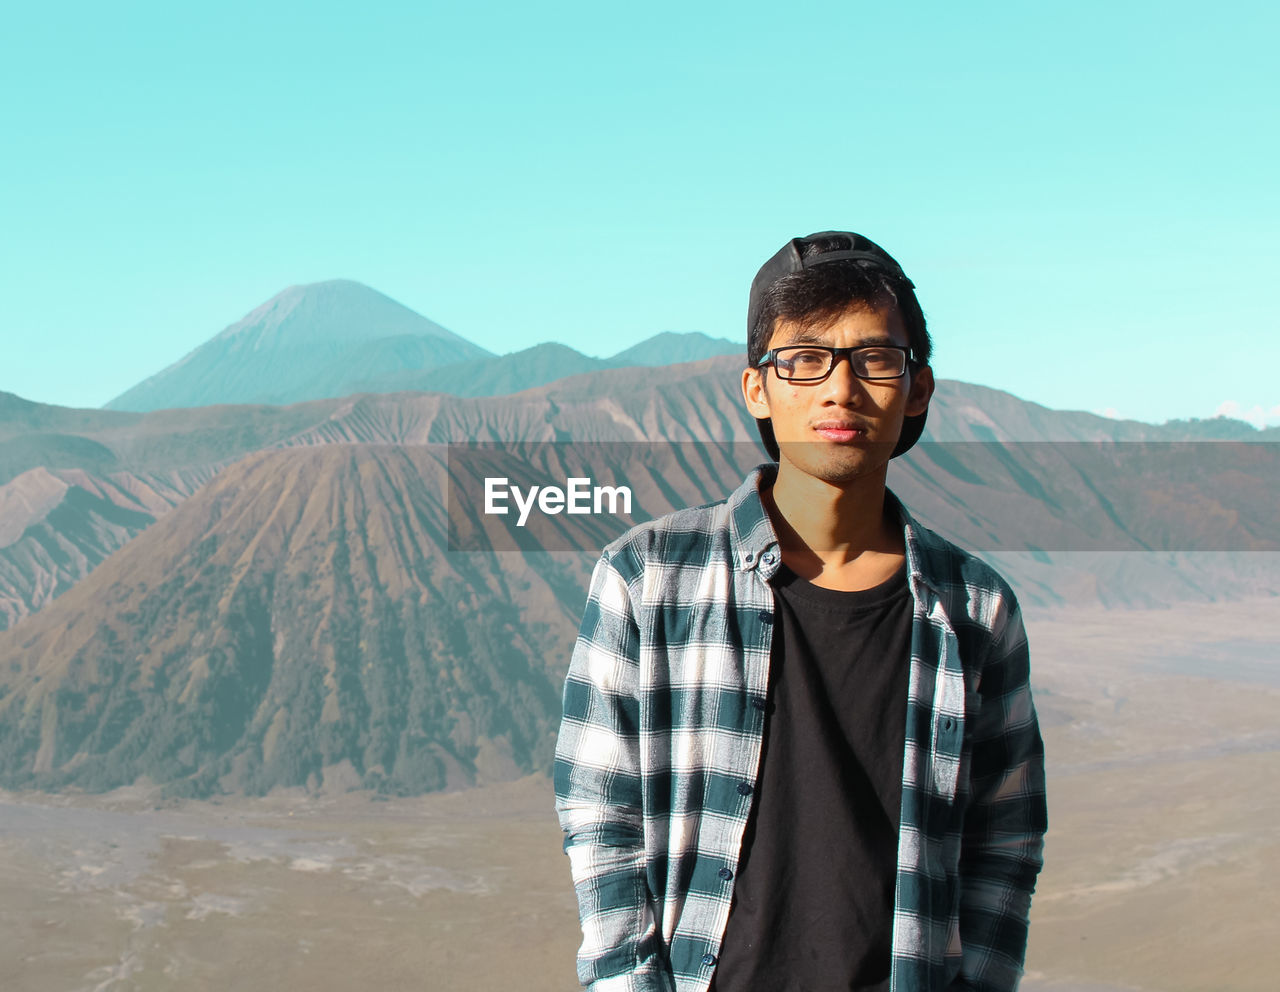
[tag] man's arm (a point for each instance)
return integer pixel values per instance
(1004, 826)
(598, 796)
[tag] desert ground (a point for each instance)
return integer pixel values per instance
(1162, 862)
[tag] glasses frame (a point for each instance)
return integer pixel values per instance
(770, 357)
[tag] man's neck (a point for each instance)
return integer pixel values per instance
(834, 535)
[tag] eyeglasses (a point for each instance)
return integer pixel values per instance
(811, 362)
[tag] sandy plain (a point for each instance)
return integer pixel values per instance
(1162, 862)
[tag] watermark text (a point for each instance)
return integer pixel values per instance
(578, 496)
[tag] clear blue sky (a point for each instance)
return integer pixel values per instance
(1085, 196)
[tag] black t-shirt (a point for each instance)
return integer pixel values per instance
(813, 899)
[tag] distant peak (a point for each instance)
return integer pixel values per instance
(325, 289)
(332, 285)
(331, 310)
(671, 347)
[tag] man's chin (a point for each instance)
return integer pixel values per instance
(837, 464)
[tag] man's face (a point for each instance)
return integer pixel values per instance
(840, 428)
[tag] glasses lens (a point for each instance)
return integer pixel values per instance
(802, 363)
(879, 363)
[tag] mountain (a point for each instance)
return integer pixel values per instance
(339, 338)
(672, 348)
(297, 619)
(308, 342)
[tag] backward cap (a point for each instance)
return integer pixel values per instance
(790, 258)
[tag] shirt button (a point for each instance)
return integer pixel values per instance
(769, 558)
(708, 959)
(744, 788)
(948, 724)
(726, 874)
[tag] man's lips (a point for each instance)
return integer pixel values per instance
(840, 430)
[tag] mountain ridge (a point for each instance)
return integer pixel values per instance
(338, 337)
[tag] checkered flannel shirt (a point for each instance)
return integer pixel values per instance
(660, 747)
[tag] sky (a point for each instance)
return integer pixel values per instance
(1083, 194)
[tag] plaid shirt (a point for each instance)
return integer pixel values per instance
(661, 740)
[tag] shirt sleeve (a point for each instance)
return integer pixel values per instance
(598, 796)
(1005, 823)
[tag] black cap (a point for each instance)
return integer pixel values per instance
(790, 258)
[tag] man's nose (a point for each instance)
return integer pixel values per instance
(841, 384)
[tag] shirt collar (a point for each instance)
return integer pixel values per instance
(756, 545)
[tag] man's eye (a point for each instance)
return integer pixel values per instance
(808, 359)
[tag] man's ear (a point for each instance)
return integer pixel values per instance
(920, 392)
(755, 393)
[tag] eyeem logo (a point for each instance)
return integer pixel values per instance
(579, 496)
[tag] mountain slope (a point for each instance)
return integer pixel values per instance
(57, 526)
(295, 619)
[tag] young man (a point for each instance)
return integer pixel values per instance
(799, 750)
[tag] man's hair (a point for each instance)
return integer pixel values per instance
(823, 292)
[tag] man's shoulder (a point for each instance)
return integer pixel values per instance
(693, 537)
(967, 584)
